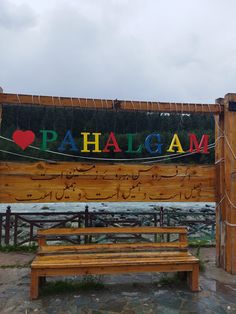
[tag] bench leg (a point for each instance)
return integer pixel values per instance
(193, 278)
(34, 286)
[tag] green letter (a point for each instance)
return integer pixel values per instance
(130, 145)
(46, 138)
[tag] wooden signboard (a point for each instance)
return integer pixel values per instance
(90, 182)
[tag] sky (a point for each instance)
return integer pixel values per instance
(157, 50)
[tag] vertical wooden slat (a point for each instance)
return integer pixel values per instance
(79, 226)
(155, 224)
(1, 228)
(220, 193)
(31, 232)
(1, 91)
(183, 237)
(15, 229)
(86, 221)
(41, 241)
(0, 115)
(1, 220)
(7, 225)
(230, 184)
(227, 188)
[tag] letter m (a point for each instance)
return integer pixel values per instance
(203, 145)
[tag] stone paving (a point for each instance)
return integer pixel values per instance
(126, 294)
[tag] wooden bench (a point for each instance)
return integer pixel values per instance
(111, 258)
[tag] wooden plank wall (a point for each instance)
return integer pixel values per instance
(81, 182)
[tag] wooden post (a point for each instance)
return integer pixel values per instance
(220, 199)
(8, 225)
(1, 91)
(226, 186)
(86, 222)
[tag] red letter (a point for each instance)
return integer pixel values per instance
(194, 143)
(112, 142)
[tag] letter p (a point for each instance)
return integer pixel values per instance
(48, 136)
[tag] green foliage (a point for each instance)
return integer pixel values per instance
(88, 282)
(24, 248)
(168, 280)
(203, 242)
(15, 266)
(199, 244)
(80, 120)
(202, 266)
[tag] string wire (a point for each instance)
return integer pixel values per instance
(226, 196)
(27, 156)
(160, 158)
(163, 157)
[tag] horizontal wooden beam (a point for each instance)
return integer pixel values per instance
(111, 230)
(79, 182)
(108, 104)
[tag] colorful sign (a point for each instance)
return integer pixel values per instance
(90, 142)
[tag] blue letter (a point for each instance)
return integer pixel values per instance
(148, 143)
(68, 140)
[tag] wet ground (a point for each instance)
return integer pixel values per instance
(127, 294)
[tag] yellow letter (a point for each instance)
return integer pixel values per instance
(175, 143)
(95, 143)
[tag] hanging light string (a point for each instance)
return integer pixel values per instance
(161, 158)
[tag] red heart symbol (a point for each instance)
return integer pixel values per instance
(23, 138)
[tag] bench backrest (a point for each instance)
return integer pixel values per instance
(179, 244)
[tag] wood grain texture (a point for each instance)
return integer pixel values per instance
(111, 247)
(229, 185)
(111, 230)
(0, 115)
(75, 261)
(125, 258)
(114, 255)
(44, 271)
(220, 186)
(75, 182)
(128, 105)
